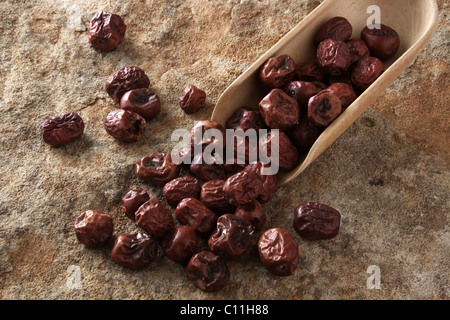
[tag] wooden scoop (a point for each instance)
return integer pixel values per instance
(415, 22)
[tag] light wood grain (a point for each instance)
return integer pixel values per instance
(414, 20)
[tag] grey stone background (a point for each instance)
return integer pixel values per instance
(388, 174)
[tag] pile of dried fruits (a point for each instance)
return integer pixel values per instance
(222, 203)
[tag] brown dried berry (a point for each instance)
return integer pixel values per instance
(242, 187)
(310, 71)
(344, 92)
(192, 99)
(277, 143)
(205, 133)
(279, 110)
(94, 228)
(254, 213)
(316, 221)
(194, 213)
(383, 42)
(277, 71)
(208, 271)
(207, 171)
(337, 28)
(333, 56)
(270, 180)
(106, 31)
(180, 244)
(231, 238)
(278, 251)
(366, 71)
(213, 197)
(358, 50)
(180, 188)
(124, 80)
(157, 168)
(132, 200)
(135, 250)
(60, 130)
(301, 91)
(124, 125)
(245, 118)
(155, 218)
(304, 134)
(142, 101)
(324, 108)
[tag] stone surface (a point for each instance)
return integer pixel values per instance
(388, 174)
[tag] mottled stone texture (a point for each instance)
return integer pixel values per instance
(388, 174)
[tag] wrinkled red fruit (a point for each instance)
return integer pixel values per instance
(106, 31)
(242, 187)
(277, 71)
(231, 238)
(304, 134)
(157, 168)
(208, 271)
(93, 228)
(60, 130)
(124, 80)
(288, 156)
(142, 101)
(135, 250)
(366, 71)
(124, 125)
(180, 244)
(279, 110)
(344, 92)
(278, 251)
(302, 91)
(194, 213)
(192, 99)
(337, 28)
(132, 200)
(316, 221)
(254, 213)
(334, 57)
(383, 42)
(180, 188)
(155, 218)
(358, 49)
(324, 108)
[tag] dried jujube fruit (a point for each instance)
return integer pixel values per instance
(324, 108)
(344, 92)
(180, 244)
(135, 250)
(132, 200)
(333, 56)
(94, 228)
(157, 168)
(60, 130)
(279, 110)
(383, 42)
(208, 271)
(231, 237)
(254, 213)
(277, 71)
(180, 188)
(304, 134)
(366, 71)
(316, 221)
(212, 196)
(358, 49)
(142, 101)
(192, 99)
(336, 28)
(155, 218)
(242, 187)
(278, 143)
(194, 213)
(124, 125)
(278, 251)
(126, 79)
(106, 31)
